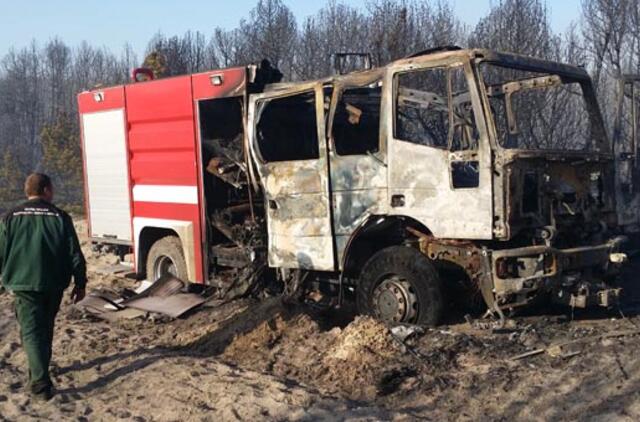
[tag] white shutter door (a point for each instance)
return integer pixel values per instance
(107, 174)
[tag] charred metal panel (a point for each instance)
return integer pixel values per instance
(298, 215)
(295, 252)
(421, 176)
(359, 189)
(430, 198)
(293, 177)
(351, 209)
(358, 180)
(296, 194)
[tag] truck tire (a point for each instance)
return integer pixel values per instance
(166, 256)
(400, 285)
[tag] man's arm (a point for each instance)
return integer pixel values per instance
(78, 263)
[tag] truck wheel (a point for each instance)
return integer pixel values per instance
(166, 256)
(400, 285)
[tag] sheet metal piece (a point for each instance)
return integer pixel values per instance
(115, 269)
(95, 305)
(124, 314)
(173, 306)
(165, 296)
(165, 286)
(106, 309)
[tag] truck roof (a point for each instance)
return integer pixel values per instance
(513, 60)
(198, 75)
(484, 55)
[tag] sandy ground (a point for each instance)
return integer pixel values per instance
(252, 360)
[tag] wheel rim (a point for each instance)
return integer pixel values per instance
(164, 265)
(394, 300)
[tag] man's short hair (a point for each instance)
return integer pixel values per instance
(36, 183)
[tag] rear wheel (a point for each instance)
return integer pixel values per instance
(166, 257)
(400, 285)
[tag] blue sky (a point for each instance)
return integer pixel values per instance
(112, 23)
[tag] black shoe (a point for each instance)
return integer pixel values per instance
(42, 391)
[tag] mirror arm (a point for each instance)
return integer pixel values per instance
(511, 118)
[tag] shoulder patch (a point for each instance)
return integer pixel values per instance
(35, 208)
(32, 210)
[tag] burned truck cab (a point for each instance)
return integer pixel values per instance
(398, 181)
(554, 171)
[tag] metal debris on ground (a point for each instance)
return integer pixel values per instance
(490, 325)
(405, 331)
(557, 350)
(168, 295)
(116, 269)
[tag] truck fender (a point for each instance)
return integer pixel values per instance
(350, 262)
(182, 229)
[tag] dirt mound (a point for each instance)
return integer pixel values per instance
(364, 338)
(362, 359)
(350, 362)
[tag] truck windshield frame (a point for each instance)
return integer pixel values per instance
(541, 111)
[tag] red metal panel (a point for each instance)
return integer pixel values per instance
(182, 212)
(101, 99)
(161, 132)
(233, 84)
(163, 150)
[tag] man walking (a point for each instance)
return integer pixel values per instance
(39, 252)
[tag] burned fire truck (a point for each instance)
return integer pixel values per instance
(450, 172)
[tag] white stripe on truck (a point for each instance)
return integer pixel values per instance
(166, 194)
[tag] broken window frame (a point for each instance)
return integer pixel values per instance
(337, 98)
(465, 70)
(598, 140)
(260, 105)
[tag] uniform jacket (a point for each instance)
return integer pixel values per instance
(39, 249)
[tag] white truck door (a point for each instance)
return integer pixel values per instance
(288, 146)
(439, 153)
(107, 175)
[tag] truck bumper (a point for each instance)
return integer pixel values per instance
(574, 276)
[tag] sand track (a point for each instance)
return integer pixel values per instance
(252, 360)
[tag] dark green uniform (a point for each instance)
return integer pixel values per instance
(39, 253)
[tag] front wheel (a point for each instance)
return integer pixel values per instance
(400, 285)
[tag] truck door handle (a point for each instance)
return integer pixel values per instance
(397, 201)
(273, 205)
